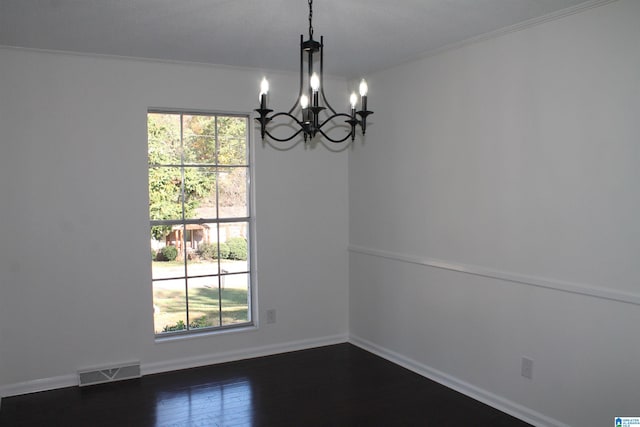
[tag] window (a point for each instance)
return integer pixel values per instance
(200, 221)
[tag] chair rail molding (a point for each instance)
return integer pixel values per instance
(540, 282)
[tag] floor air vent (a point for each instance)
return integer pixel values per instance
(107, 375)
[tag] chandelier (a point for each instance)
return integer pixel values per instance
(308, 104)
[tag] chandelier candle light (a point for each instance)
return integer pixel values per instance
(310, 122)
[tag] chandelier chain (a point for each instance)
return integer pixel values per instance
(310, 19)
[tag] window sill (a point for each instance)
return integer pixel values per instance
(204, 334)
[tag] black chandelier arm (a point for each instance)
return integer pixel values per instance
(264, 120)
(324, 97)
(336, 115)
(351, 134)
(291, 116)
(275, 138)
(295, 103)
(352, 122)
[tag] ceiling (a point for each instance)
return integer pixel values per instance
(361, 36)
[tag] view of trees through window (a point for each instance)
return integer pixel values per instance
(199, 220)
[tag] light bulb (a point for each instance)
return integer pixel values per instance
(363, 88)
(304, 101)
(353, 100)
(264, 86)
(314, 82)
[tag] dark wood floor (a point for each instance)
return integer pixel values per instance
(339, 385)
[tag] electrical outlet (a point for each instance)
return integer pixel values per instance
(527, 368)
(271, 316)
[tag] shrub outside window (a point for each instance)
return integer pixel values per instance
(200, 221)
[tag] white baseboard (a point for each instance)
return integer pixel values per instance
(525, 414)
(212, 359)
(71, 380)
(42, 384)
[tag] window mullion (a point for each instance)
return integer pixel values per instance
(217, 175)
(184, 225)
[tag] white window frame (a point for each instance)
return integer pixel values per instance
(250, 220)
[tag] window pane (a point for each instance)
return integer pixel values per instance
(199, 139)
(164, 139)
(165, 193)
(167, 252)
(169, 305)
(235, 299)
(232, 192)
(199, 125)
(199, 150)
(204, 309)
(232, 136)
(200, 193)
(233, 237)
(202, 249)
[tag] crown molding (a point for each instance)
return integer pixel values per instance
(533, 22)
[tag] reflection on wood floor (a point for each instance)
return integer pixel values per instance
(339, 385)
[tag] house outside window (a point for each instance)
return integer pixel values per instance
(200, 221)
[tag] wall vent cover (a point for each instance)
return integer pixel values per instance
(110, 374)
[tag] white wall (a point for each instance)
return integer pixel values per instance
(76, 280)
(495, 214)
(513, 158)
